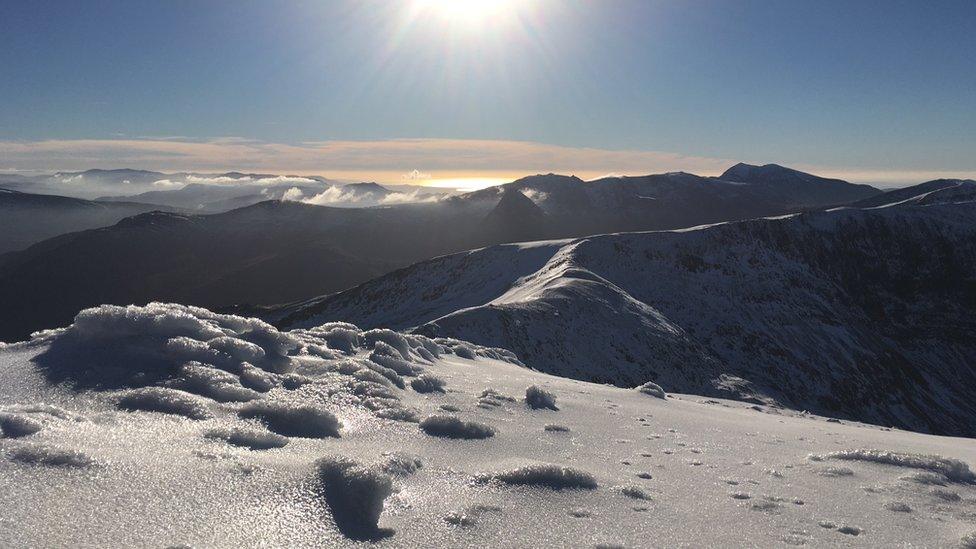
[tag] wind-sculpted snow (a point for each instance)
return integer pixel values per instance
(537, 397)
(165, 401)
(121, 433)
(546, 475)
(355, 495)
(453, 427)
(293, 421)
(255, 439)
(854, 313)
(427, 383)
(18, 425)
(952, 469)
(653, 389)
(51, 456)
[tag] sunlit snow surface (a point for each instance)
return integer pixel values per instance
(85, 462)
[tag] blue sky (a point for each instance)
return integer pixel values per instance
(874, 89)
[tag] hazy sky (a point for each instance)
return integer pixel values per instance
(871, 90)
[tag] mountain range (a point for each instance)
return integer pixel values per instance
(280, 251)
(857, 312)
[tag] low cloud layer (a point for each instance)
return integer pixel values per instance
(344, 196)
(388, 159)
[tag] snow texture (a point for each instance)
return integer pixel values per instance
(546, 475)
(166, 401)
(653, 389)
(248, 473)
(453, 427)
(293, 420)
(537, 397)
(355, 494)
(427, 383)
(255, 439)
(952, 469)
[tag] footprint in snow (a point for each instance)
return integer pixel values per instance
(765, 506)
(897, 507)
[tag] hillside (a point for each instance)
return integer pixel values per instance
(26, 218)
(853, 313)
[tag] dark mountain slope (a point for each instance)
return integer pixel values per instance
(27, 218)
(796, 188)
(940, 191)
(515, 218)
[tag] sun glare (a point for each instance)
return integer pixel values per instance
(468, 12)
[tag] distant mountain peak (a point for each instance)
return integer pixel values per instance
(515, 217)
(547, 178)
(367, 186)
(514, 201)
(745, 172)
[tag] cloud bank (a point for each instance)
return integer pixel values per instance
(388, 160)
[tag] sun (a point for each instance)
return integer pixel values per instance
(468, 12)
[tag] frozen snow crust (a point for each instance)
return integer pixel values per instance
(168, 425)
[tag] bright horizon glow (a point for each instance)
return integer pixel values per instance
(465, 184)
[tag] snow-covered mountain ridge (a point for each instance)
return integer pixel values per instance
(855, 313)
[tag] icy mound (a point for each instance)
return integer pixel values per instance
(653, 389)
(952, 469)
(166, 401)
(452, 427)
(51, 456)
(355, 494)
(293, 421)
(22, 420)
(537, 397)
(18, 425)
(255, 439)
(427, 383)
(545, 475)
(186, 361)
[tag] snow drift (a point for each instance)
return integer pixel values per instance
(124, 423)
